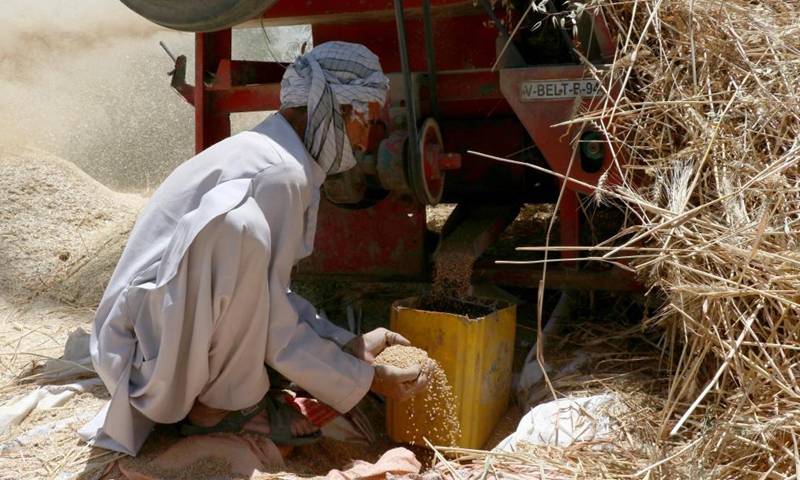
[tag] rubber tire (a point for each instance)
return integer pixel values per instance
(198, 15)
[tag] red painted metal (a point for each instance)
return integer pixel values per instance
(247, 99)
(445, 161)
(480, 176)
(243, 86)
(471, 94)
(241, 72)
(454, 51)
(603, 35)
(390, 163)
(514, 276)
(434, 160)
(211, 124)
(178, 82)
(346, 12)
(559, 144)
(461, 95)
(480, 110)
(385, 241)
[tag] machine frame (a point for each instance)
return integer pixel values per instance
(459, 84)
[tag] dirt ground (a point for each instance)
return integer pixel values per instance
(61, 233)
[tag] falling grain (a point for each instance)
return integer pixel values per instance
(440, 422)
(452, 279)
(453, 274)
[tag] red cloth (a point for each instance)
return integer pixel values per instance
(317, 412)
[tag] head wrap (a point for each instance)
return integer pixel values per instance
(330, 75)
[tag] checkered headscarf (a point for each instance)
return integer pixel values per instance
(331, 75)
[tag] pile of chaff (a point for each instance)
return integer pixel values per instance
(704, 125)
(707, 121)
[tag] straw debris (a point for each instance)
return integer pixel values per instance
(622, 360)
(707, 123)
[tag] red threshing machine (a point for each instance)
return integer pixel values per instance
(462, 80)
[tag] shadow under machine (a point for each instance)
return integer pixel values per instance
(463, 80)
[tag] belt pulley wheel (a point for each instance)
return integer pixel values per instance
(199, 15)
(425, 177)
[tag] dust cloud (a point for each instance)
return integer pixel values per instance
(86, 80)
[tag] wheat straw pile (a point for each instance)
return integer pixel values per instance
(709, 115)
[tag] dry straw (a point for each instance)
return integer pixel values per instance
(709, 116)
(706, 127)
(707, 122)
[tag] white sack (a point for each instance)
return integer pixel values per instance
(564, 422)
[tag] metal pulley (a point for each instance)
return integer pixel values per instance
(419, 174)
(199, 15)
(426, 170)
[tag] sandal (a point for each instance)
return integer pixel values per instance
(280, 424)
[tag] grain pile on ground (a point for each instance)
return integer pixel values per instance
(708, 112)
(440, 423)
(61, 232)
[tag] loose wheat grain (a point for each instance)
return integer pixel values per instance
(453, 274)
(436, 405)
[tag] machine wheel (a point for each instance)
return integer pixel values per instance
(198, 15)
(424, 177)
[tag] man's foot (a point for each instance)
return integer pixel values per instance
(204, 416)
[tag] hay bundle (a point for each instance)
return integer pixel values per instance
(709, 116)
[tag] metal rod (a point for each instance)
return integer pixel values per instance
(413, 155)
(429, 52)
(169, 52)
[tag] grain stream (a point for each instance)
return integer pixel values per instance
(432, 413)
(453, 274)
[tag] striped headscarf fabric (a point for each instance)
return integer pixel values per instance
(330, 75)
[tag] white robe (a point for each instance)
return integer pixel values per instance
(246, 211)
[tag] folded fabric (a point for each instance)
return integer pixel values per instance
(398, 461)
(50, 396)
(76, 360)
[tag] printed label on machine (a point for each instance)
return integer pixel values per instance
(556, 89)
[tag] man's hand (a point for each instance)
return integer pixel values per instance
(401, 383)
(367, 346)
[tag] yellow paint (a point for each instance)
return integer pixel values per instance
(476, 356)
